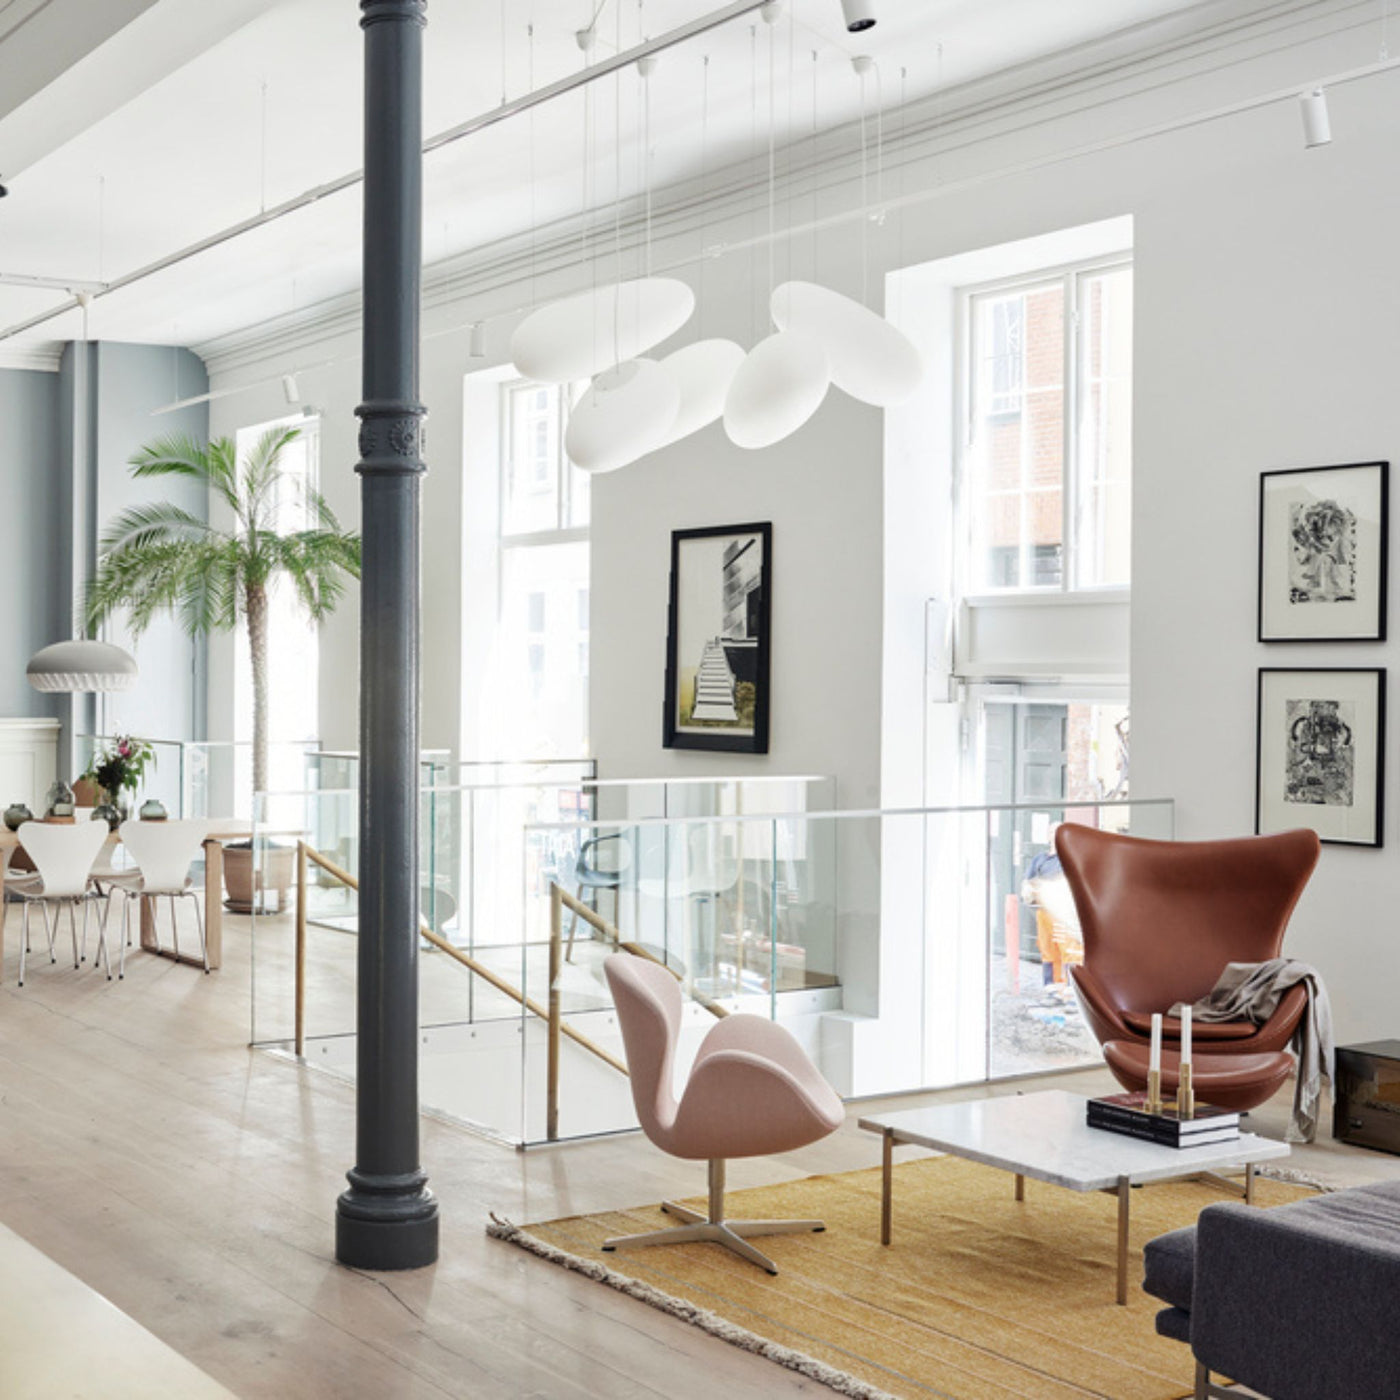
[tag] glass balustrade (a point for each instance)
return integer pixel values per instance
(906, 950)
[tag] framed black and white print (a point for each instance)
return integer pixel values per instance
(1321, 760)
(717, 645)
(1324, 537)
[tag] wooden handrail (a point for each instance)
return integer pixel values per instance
(638, 950)
(309, 853)
(559, 900)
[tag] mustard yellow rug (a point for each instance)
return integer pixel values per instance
(978, 1297)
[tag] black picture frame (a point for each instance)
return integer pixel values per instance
(1274, 755)
(709, 583)
(1366, 500)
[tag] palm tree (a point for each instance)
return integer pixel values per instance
(159, 558)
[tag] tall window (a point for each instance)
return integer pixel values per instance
(1046, 470)
(544, 578)
(292, 643)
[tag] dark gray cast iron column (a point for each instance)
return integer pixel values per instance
(388, 1218)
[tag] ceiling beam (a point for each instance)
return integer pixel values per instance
(624, 59)
(74, 62)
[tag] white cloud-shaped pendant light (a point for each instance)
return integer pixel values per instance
(703, 372)
(581, 335)
(780, 385)
(625, 413)
(81, 667)
(870, 359)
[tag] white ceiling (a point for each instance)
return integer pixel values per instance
(268, 105)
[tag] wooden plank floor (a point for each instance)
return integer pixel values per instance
(192, 1181)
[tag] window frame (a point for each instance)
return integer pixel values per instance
(562, 530)
(1073, 278)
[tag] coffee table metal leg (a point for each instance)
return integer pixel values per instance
(887, 1186)
(1125, 1196)
(1020, 1187)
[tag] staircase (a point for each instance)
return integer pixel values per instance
(714, 688)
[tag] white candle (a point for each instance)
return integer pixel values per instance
(1186, 1035)
(1154, 1064)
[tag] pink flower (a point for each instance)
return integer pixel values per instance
(124, 749)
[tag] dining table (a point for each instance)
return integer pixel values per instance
(221, 832)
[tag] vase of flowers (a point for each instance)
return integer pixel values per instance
(117, 770)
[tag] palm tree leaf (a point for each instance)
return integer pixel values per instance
(159, 522)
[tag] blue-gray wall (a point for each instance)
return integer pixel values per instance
(65, 442)
(32, 550)
(168, 700)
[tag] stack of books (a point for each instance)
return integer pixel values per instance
(1127, 1113)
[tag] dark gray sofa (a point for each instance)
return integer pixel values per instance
(1301, 1302)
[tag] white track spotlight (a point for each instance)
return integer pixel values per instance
(290, 390)
(476, 348)
(1317, 127)
(860, 15)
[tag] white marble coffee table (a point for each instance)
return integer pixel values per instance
(1044, 1136)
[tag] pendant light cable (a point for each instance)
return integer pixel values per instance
(704, 192)
(772, 165)
(262, 151)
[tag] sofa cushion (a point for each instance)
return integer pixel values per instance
(1174, 1323)
(1169, 1266)
(1360, 1213)
(1141, 1021)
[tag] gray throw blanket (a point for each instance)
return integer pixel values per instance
(1252, 992)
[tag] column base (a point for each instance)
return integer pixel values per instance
(404, 1243)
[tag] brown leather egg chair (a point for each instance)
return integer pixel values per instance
(1161, 919)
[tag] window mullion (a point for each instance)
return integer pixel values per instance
(1069, 488)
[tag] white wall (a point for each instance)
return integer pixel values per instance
(1266, 300)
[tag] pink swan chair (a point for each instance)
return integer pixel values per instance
(751, 1092)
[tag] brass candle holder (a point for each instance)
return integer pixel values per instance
(1185, 1095)
(1154, 1091)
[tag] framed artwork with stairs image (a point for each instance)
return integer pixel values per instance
(717, 645)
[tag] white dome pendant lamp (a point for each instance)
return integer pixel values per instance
(583, 334)
(81, 666)
(627, 412)
(704, 372)
(780, 385)
(870, 359)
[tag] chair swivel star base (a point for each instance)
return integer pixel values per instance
(713, 1228)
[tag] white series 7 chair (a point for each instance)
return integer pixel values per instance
(63, 858)
(163, 852)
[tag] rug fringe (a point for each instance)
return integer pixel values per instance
(1292, 1176)
(841, 1382)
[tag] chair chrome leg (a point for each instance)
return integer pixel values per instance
(23, 941)
(715, 1229)
(199, 924)
(50, 929)
(174, 928)
(103, 915)
(85, 930)
(747, 1229)
(683, 1213)
(573, 924)
(73, 929)
(126, 936)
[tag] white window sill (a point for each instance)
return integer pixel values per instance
(1050, 597)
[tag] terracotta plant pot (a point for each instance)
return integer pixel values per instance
(247, 880)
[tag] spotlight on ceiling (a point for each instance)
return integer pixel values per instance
(860, 15)
(291, 391)
(1317, 127)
